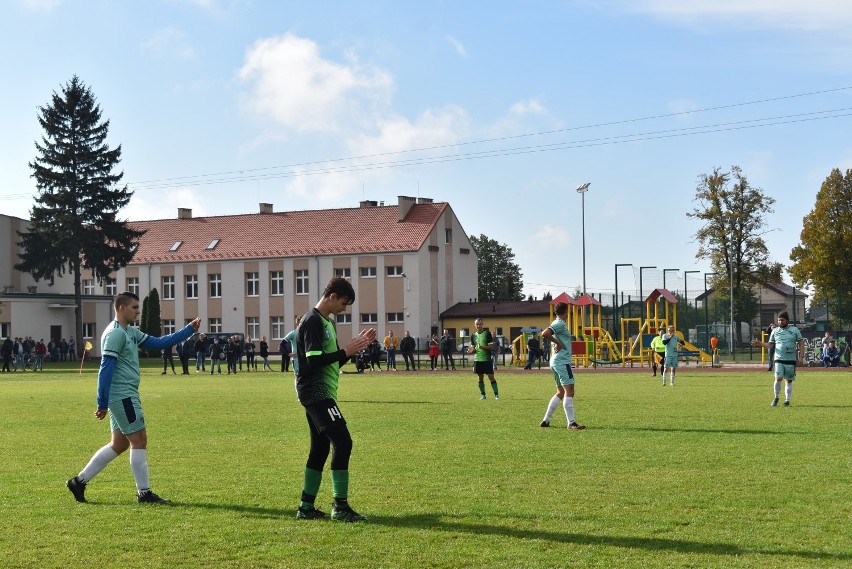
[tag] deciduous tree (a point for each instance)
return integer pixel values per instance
(499, 277)
(822, 259)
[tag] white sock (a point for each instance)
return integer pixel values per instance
(551, 407)
(98, 462)
(671, 377)
(139, 467)
(788, 391)
(777, 388)
(568, 405)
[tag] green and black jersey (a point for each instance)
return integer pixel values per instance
(317, 336)
(479, 339)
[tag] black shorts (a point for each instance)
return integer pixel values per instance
(324, 414)
(483, 368)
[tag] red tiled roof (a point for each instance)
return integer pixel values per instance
(348, 231)
(661, 292)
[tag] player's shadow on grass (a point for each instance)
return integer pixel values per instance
(447, 523)
(250, 511)
(718, 431)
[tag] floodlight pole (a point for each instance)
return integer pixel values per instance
(686, 296)
(582, 189)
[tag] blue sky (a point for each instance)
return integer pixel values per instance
(493, 106)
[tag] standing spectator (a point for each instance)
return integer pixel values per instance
(290, 338)
(118, 394)
(532, 352)
(789, 352)
(391, 344)
(481, 344)
(434, 352)
(6, 350)
(19, 354)
(63, 350)
(495, 353)
(231, 354)
(831, 355)
(847, 350)
(237, 346)
(40, 352)
(285, 351)
(264, 353)
(185, 351)
(168, 358)
(248, 348)
(320, 358)
(200, 353)
(448, 346)
(560, 364)
(374, 350)
(406, 346)
(658, 355)
(215, 356)
(72, 350)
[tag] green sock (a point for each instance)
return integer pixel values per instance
(494, 387)
(340, 484)
(482, 387)
(313, 478)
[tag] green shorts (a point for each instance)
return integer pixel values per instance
(126, 415)
(785, 371)
(671, 362)
(562, 374)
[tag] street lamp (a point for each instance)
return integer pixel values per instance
(686, 296)
(582, 189)
(731, 220)
(641, 292)
(615, 312)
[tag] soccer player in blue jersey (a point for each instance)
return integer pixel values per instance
(560, 363)
(320, 358)
(789, 347)
(671, 341)
(118, 394)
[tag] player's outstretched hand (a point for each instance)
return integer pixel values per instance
(196, 324)
(755, 342)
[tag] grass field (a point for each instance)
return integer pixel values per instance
(704, 474)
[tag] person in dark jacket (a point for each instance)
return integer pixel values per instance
(216, 356)
(406, 346)
(185, 351)
(168, 358)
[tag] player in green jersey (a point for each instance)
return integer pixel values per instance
(789, 347)
(118, 393)
(481, 344)
(320, 358)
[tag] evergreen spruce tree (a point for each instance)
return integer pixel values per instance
(74, 223)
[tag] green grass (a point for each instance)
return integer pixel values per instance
(705, 474)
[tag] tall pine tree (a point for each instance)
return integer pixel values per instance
(74, 223)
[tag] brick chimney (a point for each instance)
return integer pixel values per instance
(405, 205)
(184, 213)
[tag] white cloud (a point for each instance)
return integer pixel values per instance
(530, 115)
(458, 46)
(785, 14)
(551, 236)
(168, 43)
(164, 203)
(528, 107)
(291, 83)
(434, 127)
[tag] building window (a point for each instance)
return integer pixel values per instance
(216, 286)
(369, 318)
(215, 324)
(252, 284)
(169, 288)
(276, 283)
(88, 286)
(88, 330)
(133, 285)
(448, 236)
(111, 287)
(253, 327)
(176, 246)
(343, 272)
(394, 317)
(498, 331)
(394, 271)
(277, 327)
(344, 318)
(465, 333)
(368, 272)
(191, 286)
(212, 245)
(168, 326)
(301, 281)
(464, 251)
(4, 329)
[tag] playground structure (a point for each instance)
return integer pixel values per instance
(594, 345)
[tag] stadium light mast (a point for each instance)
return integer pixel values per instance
(686, 296)
(582, 189)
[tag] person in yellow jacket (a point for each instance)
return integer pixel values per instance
(391, 344)
(658, 354)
